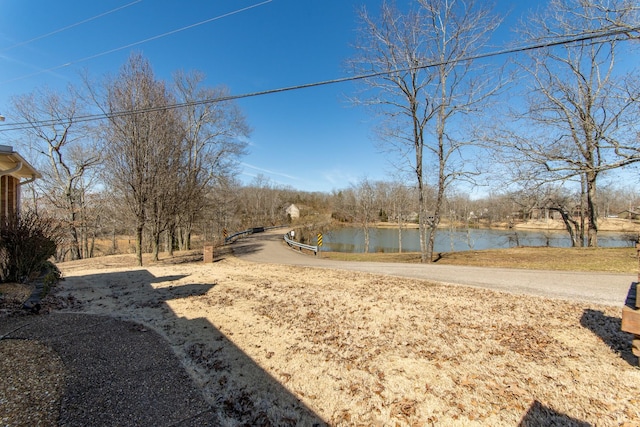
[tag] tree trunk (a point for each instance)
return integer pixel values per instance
(156, 245)
(571, 226)
(583, 208)
(114, 241)
(433, 227)
(85, 243)
(399, 233)
(187, 238)
(440, 129)
(75, 244)
(592, 211)
(431, 242)
(92, 246)
(422, 203)
(171, 239)
(75, 247)
(179, 237)
(422, 223)
(365, 228)
(139, 230)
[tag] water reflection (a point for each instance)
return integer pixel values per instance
(449, 240)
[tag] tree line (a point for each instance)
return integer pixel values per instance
(162, 173)
(153, 163)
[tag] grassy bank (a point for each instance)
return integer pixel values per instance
(611, 260)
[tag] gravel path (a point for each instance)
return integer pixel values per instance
(601, 288)
(118, 373)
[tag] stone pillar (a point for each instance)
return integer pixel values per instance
(208, 253)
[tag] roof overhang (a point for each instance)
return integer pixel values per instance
(12, 163)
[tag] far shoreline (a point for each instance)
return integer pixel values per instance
(616, 225)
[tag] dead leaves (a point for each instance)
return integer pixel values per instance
(373, 350)
(528, 341)
(483, 345)
(404, 408)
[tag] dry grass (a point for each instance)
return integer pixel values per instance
(361, 349)
(613, 260)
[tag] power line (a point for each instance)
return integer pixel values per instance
(68, 27)
(626, 32)
(130, 45)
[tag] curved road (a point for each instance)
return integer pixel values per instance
(601, 288)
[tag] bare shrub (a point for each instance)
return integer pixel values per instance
(27, 241)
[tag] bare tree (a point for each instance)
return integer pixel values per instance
(365, 208)
(215, 135)
(426, 81)
(167, 198)
(561, 202)
(581, 118)
(68, 158)
(615, 199)
(264, 203)
(342, 205)
(138, 135)
(401, 198)
(223, 198)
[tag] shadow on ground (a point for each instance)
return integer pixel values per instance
(247, 247)
(540, 415)
(239, 391)
(608, 329)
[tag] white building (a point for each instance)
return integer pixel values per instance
(293, 212)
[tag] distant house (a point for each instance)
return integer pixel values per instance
(293, 212)
(412, 217)
(14, 172)
(544, 214)
(629, 215)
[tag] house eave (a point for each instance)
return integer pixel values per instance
(12, 163)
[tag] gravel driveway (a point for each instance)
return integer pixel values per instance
(602, 288)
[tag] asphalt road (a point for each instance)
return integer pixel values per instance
(600, 288)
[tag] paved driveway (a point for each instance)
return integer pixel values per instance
(601, 288)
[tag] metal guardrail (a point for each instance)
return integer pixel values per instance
(239, 234)
(300, 245)
(287, 238)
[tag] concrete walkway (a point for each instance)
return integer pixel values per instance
(600, 288)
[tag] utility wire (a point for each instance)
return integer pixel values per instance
(68, 27)
(159, 36)
(616, 33)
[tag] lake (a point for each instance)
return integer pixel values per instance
(449, 240)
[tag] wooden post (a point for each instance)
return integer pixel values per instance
(635, 347)
(631, 313)
(638, 254)
(631, 324)
(635, 343)
(631, 320)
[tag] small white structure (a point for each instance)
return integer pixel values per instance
(293, 212)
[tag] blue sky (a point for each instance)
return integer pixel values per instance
(311, 139)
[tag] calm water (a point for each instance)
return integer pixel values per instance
(386, 239)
